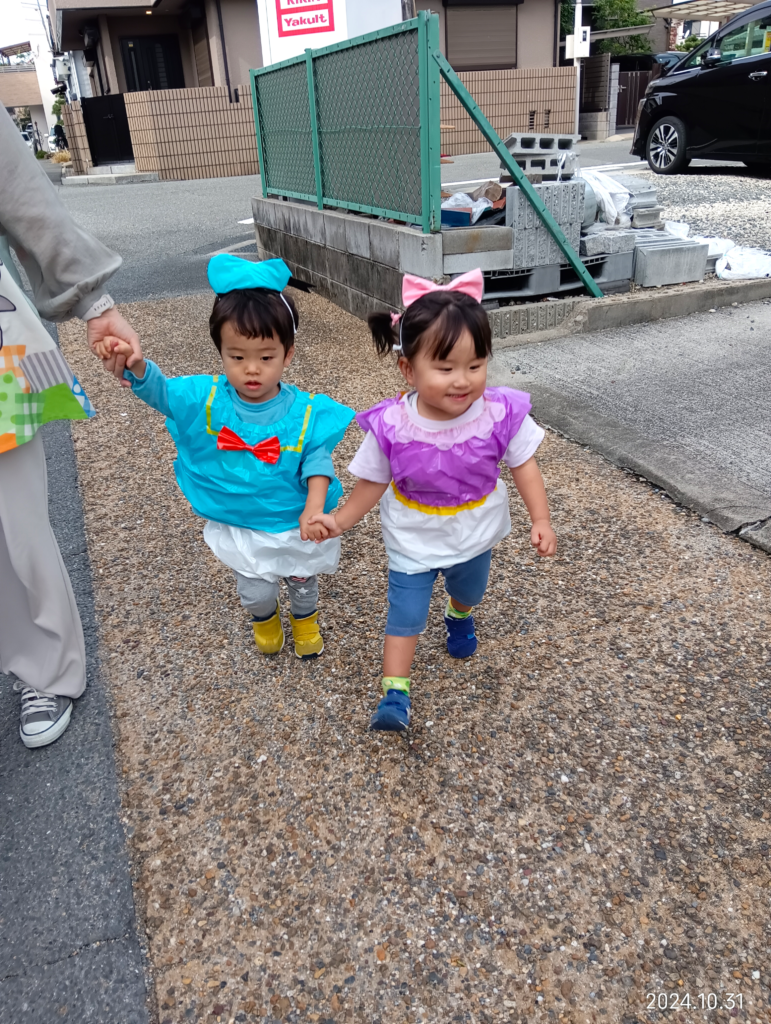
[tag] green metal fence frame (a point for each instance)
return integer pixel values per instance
(431, 65)
(428, 73)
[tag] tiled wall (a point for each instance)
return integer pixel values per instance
(531, 99)
(77, 142)
(193, 133)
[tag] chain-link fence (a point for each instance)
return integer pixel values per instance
(349, 125)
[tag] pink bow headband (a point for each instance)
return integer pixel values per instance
(413, 288)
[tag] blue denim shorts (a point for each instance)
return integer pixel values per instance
(409, 594)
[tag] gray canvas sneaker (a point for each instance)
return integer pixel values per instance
(44, 716)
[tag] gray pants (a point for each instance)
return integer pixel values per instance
(41, 639)
(259, 597)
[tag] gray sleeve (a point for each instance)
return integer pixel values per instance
(67, 267)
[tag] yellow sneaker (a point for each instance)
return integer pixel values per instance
(269, 633)
(308, 642)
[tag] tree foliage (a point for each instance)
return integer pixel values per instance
(689, 43)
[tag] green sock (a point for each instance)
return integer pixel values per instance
(453, 613)
(396, 683)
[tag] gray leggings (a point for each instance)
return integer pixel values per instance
(259, 597)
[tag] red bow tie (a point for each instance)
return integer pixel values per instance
(266, 451)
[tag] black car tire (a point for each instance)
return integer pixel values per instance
(665, 146)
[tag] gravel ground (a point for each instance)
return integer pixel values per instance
(580, 816)
(727, 201)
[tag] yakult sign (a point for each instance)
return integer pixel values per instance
(294, 25)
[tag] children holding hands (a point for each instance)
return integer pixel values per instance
(254, 460)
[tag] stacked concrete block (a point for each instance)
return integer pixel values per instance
(669, 260)
(610, 241)
(550, 155)
(648, 217)
(532, 245)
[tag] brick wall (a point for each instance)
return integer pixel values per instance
(193, 133)
(77, 141)
(530, 99)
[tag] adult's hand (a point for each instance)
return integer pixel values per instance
(112, 324)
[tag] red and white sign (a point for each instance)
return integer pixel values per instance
(303, 17)
(288, 27)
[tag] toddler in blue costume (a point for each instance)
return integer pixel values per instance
(254, 453)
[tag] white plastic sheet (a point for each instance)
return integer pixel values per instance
(463, 201)
(742, 263)
(717, 246)
(612, 197)
(678, 228)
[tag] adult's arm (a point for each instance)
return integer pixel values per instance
(67, 267)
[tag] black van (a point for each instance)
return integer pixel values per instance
(715, 103)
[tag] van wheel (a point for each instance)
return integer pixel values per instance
(665, 148)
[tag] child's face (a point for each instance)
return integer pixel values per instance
(253, 366)
(447, 387)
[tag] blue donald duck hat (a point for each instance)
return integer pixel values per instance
(229, 273)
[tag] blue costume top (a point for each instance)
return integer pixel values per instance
(236, 487)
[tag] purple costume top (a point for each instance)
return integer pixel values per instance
(455, 467)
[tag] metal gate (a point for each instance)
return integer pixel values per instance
(107, 129)
(631, 89)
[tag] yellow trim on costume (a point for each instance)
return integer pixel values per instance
(436, 510)
(284, 448)
(299, 446)
(209, 401)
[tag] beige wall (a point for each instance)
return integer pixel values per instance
(535, 34)
(19, 88)
(77, 141)
(242, 38)
(509, 98)
(193, 133)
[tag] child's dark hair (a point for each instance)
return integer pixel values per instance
(435, 320)
(255, 313)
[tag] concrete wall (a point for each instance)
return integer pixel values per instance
(192, 133)
(507, 99)
(242, 38)
(535, 34)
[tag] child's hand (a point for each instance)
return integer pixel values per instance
(328, 522)
(543, 538)
(311, 530)
(109, 348)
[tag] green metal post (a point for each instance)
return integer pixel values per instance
(424, 56)
(516, 173)
(260, 153)
(314, 128)
(434, 128)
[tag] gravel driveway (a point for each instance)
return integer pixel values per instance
(580, 816)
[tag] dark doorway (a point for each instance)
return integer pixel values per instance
(631, 89)
(107, 129)
(152, 62)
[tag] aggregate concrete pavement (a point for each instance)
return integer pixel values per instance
(578, 818)
(69, 949)
(686, 402)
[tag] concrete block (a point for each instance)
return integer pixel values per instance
(315, 226)
(459, 263)
(420, 254)
(281, 216)
(475, 239)
(384, 244)
(297, 220)
(607, 242)
(649, 217)
(672, 264)
(357, 236)
(334, 227)
(563, 199)
(536, 247)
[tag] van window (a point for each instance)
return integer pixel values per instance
(747, 40)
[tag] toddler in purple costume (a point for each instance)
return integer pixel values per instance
(432, 459)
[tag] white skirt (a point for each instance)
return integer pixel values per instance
(417, 541)
(271, 556)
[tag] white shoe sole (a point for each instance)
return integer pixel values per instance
(42, 739)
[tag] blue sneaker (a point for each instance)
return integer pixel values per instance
(461, 639)
(393, 712)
